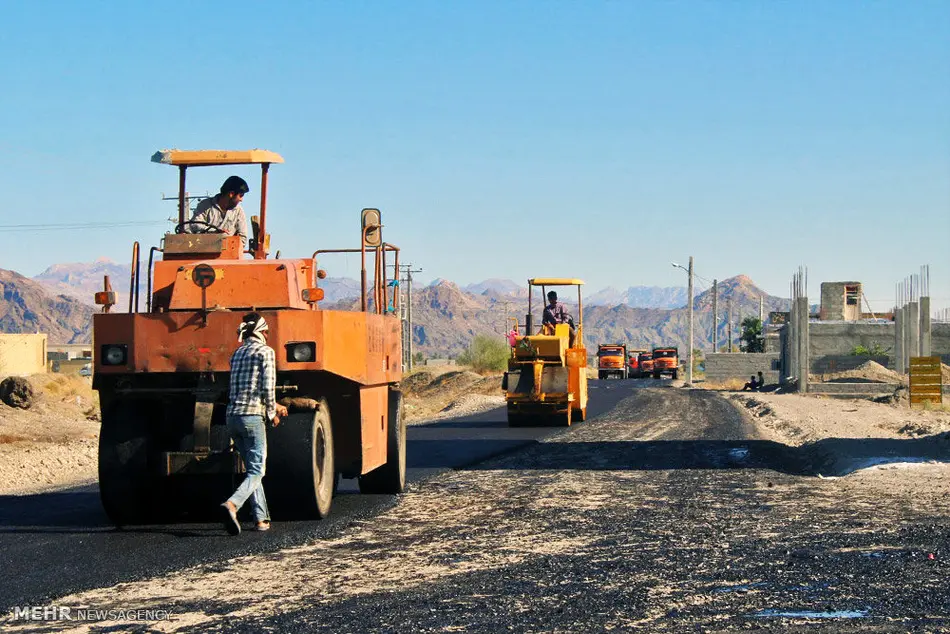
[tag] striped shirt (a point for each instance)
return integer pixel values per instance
(253, 378)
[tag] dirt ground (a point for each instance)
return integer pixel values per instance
(52, 444)
(796, 420)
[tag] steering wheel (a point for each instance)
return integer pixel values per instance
(209, 228)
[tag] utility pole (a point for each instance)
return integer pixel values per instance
(729, 324)
(407, 326)
(188, 200)
(762, 312)
(715, 337)
(689, 368)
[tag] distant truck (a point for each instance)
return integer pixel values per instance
(633, 363)
(646, 363)
(666, 361)
(611, 360)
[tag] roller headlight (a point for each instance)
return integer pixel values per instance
(301, 352)
(114, 354)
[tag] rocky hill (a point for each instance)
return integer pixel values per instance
(27, 307)
(81, 280)
(447, 317)
(644, 328)
(640, 297)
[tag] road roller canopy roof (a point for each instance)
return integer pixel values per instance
(202, 158)
(554, 281)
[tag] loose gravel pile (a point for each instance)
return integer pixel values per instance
(867, 371)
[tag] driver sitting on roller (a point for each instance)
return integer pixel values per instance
(555, 313)
(223, 211)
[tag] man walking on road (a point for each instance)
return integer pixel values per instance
(252, 401)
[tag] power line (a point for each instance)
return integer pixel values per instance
(78, 226)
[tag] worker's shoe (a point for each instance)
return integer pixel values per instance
(230, 520)
(260, 527)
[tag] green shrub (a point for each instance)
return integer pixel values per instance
(486, 354)
(874, 350)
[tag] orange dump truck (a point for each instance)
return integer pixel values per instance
(163, 373)
(611, 360)
(646, 364)
(666, 361)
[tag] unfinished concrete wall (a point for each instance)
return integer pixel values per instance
(940, 340)
(830, 340)
(742, 365)
(831, 363)
(840, 301)
(22, 354)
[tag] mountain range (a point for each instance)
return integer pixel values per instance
(27, 306)
(445, 316)
(635, 296)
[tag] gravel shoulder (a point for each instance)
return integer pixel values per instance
(671, 513)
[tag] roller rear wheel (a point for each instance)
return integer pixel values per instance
(300, 474)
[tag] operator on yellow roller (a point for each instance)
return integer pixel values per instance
(555, 313)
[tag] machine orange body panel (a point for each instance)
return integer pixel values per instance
(364, 348)
(238, 284)
(373, 421)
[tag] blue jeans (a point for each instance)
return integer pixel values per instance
(250, 439)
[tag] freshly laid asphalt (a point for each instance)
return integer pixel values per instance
(53, 544)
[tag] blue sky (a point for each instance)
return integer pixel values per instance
(500, 139)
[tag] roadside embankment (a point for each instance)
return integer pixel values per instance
(433, 394)
(53, 443)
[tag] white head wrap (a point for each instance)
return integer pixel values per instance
(252, 327)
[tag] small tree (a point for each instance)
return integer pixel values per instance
(486, 354)
(752, 334)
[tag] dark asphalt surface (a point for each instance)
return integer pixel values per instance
(707, 529)
(53, 544)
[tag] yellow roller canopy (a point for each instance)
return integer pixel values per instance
(555, 281)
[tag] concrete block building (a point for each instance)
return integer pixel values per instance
(22, 354)
(840, 301)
